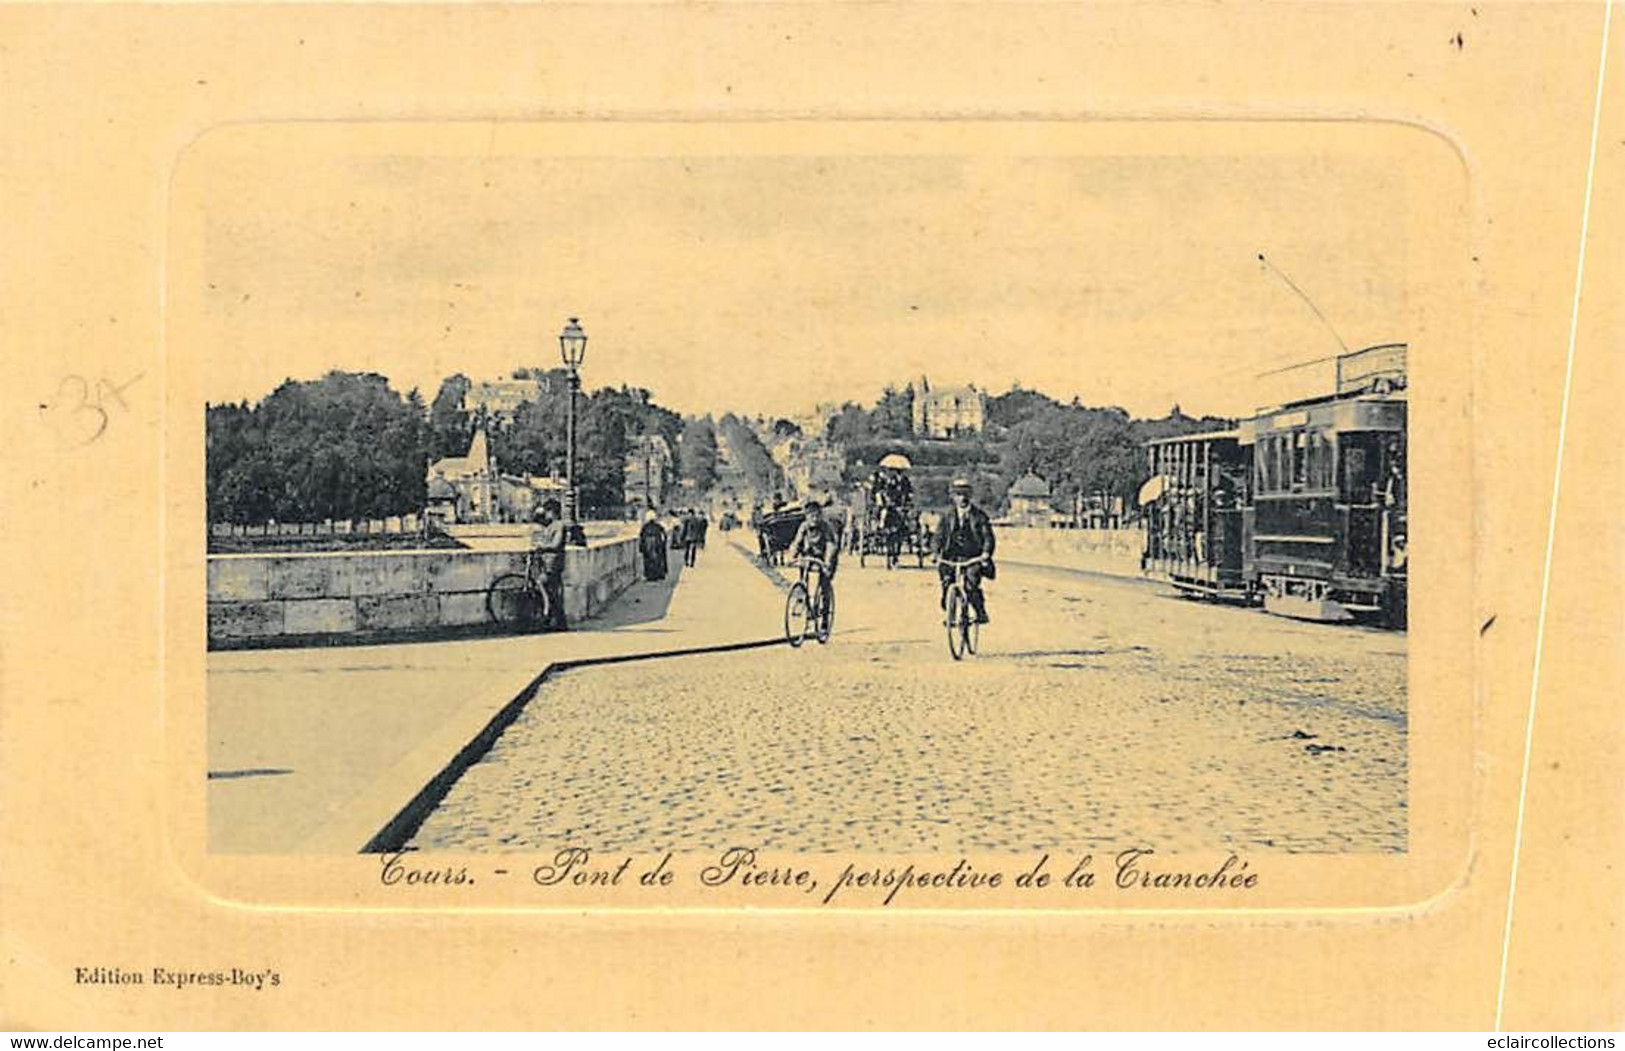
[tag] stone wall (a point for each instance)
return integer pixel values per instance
(295, 599)
(1113, 551)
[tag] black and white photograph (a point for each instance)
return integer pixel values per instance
(888, 496)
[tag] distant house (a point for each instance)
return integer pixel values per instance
(467, 485)
(947, 411)
(500, 398)
(813, 468)
(1030, 501)
(816, 422)
(471, 488)
(519, 495)
(441, 507)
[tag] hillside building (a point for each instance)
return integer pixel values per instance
(465, 488)
(470, 488)
(500, 398)
(948, 411)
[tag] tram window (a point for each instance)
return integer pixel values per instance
(1353, 471)
(1319, 474)
(1300, 458)
(1361, 458)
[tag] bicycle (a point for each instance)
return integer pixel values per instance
(804, 609)
(964, 631)
(518, 600)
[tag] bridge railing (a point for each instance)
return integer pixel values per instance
(300, 598)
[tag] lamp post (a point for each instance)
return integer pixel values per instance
(648, 474)
(573, 349)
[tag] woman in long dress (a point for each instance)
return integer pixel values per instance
(652, 543)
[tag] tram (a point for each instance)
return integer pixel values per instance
(1300, 509)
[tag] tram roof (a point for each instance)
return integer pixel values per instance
(1338, 412)
(1397, 394)
(1200, 436)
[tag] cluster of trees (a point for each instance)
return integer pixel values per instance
(892, 418)
(697, 455)
(349, 446)
(748, 453)
(1076, 448)
(342, 447)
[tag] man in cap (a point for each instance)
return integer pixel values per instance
(547, 540)
(965, 533)
(817, 537)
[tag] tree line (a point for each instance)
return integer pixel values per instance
(1077, 449)
(349, 446)
(345, 446)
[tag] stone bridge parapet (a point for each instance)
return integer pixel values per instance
(290, 599)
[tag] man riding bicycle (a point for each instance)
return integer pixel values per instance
(965, 533)
(817, 538)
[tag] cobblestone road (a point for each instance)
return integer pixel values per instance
(1100, 712)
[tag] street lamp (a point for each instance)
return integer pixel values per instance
(573, 349)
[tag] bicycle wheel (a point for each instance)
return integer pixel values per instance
(826, 612)
(796, 614)
(513, 601)
(972, 630)
(957, 612)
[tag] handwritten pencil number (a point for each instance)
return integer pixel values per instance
(81, 405)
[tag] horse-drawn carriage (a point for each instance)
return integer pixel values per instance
(776, 529)
(890, 524)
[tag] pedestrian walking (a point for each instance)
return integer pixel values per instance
(691, 537)
(652, 544)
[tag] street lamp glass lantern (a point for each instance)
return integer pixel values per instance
(573, 344)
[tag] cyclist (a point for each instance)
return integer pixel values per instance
(547, 542)
(965, 533)
(817, 538)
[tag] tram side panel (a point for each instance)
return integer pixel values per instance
(1325, 514)
(1195, 524)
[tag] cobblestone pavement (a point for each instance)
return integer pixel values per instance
(1099, 712)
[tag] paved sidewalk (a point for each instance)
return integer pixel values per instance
(313, 750)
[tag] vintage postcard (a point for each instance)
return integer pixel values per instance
(970, 530)
(1114, 612)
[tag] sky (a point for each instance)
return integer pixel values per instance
(754, 276)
